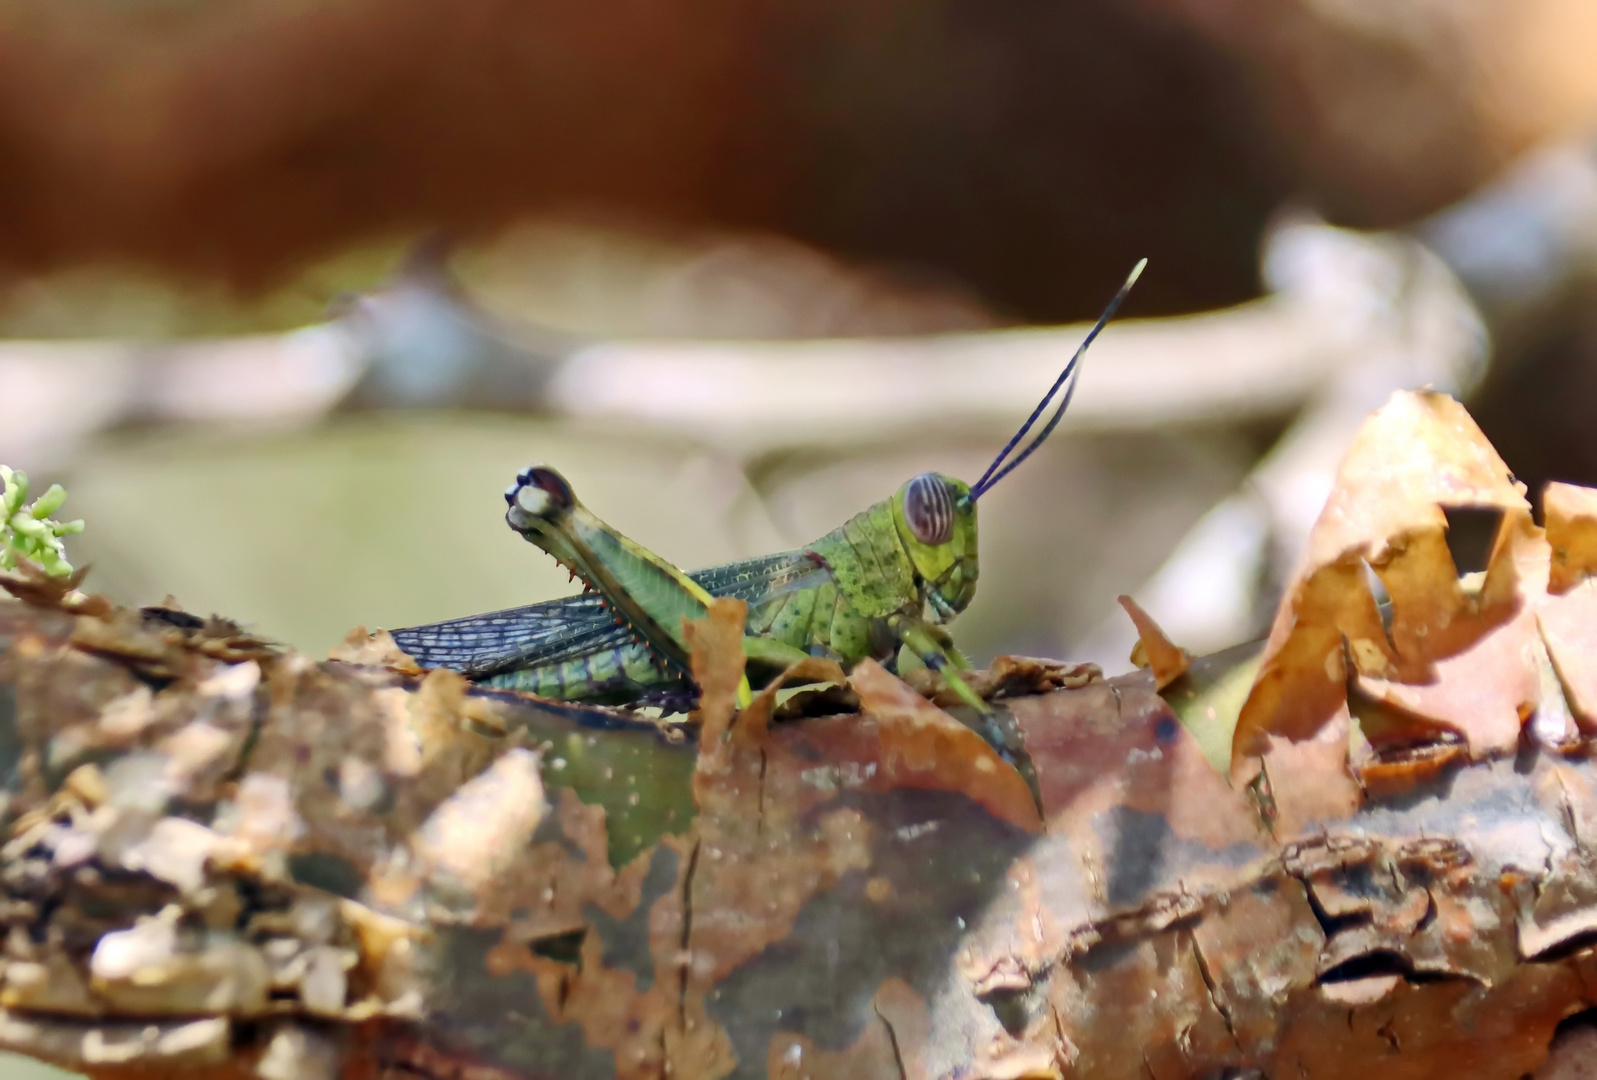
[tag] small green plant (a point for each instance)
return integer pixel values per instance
(28, 531)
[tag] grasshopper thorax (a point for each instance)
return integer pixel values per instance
(936, 521)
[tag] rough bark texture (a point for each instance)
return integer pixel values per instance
(228, 860)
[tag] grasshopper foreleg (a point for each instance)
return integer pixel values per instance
(941, 657)
(945, 641)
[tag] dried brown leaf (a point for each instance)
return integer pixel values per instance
(1311, 781)
(30, 584)
(1483, 683)
(1417, 454)
(922, 746)
(1018, 676)
(1167, 660)
(1568, 625)
(716, 642)
(753, 721)
(1400, 770)
(1570, 516)
(1005, 677)
(373, 650)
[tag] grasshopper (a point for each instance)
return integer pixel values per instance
(887, 579)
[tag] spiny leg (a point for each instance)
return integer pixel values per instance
(923, 642)
(956, 659)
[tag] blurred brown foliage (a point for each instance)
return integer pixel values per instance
(994, 143)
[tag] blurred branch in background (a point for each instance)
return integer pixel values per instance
(418, 343)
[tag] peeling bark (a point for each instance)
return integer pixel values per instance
(416, 901)
(224, 859)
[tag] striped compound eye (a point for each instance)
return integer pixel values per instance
(929, 509)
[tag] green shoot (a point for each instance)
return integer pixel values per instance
(27, 531)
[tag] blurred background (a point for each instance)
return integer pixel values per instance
(289, 291)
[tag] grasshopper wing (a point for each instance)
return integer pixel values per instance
(554, 631)
(499, 641)
(764, 578)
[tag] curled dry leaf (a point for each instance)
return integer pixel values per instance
(29, 583)
(924, 747)
(163, 642)
(1487, 685)
(1005, 677)
(1570, 516)
(373, 650)
(1154, 651)
(754, 721)
(1419, 453)
(1567, 616)
(1019, 676)
(716, 642)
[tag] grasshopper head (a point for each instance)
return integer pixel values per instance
(936, 514)
(936, 520)
(540, 508)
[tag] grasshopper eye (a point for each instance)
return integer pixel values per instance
(929, 509)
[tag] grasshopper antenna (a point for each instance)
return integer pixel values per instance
(1001, 468)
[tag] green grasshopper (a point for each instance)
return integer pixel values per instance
(887, 579)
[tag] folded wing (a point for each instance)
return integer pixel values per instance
(558, 630)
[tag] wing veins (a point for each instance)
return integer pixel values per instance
(557, 630)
